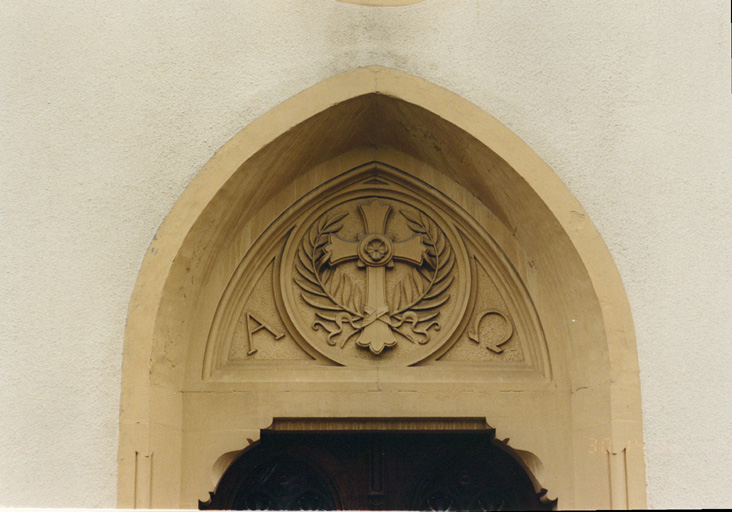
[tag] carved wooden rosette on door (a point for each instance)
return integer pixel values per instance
(374, 268)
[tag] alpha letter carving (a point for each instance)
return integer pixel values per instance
(255, 325)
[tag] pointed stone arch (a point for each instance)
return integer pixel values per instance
(574, 416)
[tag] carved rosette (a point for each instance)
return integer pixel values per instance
(376, 276)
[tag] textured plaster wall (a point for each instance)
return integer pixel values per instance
(107, 110)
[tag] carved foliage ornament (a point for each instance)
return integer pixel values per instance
(375, 273)
(413, 308)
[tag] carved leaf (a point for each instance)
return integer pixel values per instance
(326, 275)
(310, 288)
(416, 227)
(446, 268)
(441, 245)
(439, 288)
(396, 298)
(321, 241)
(305, 274)
(347, 289)
(425, 273)
(430, 264)
(332, 228)
(320, 305)
(335, 283)
(358, 299)
(318, 278)
(429, 304)
(410, 216)
(325, 316)
(424, 287)
(333, 221)
(305, 261)
(322, 260)
(307, 245)
(406, 291)
(416, 281)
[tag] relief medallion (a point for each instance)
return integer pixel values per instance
(375, 274)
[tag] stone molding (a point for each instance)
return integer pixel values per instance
(177, 421)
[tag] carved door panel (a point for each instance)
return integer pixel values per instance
(376, 471)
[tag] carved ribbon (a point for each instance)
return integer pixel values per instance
(412, 318)
(338, 319)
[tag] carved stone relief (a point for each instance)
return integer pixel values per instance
(260, 334)
(374, 269)
(375, 277)
(490, 335)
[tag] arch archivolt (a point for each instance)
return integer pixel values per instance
(378, 248)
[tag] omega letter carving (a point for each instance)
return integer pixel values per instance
(475, 334)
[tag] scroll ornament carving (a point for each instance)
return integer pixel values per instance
(412, 310)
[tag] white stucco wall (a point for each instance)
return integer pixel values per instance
(107, 110)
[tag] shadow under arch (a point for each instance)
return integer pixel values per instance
(367, 114)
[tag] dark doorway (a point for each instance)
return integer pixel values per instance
(378, 470)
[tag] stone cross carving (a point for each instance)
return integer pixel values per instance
(375, 252)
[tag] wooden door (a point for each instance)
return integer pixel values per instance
(403, 470)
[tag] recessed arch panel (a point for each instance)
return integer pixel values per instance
(462, 304)
(239, 314)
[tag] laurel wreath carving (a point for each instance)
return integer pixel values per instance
(328, 289)
(424, 286)
(339, 301)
